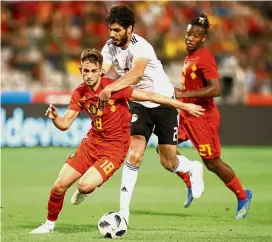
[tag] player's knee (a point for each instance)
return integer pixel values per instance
(212, 165)
(59, 187)
(86, 187)
(135, 158)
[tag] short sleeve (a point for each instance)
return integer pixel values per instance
(74, 103)
(107, 56)
(208, 66)
(142, 49)
(123, 94)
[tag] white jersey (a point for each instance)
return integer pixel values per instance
(154, 78)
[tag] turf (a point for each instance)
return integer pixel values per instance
(157, 207)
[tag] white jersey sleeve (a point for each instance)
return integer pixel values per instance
(107, 56)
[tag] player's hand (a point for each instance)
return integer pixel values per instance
(179, 93)
(51, 112)
(104, 97)
(194, 109)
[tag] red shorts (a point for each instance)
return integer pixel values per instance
(105, 158)
(182, 136)
(203, 133)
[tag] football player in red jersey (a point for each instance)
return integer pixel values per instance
(200, 84)
(105, 148)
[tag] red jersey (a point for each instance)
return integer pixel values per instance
(198, 67)
(110, 126)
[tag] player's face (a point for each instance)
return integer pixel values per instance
(91, 73)
(195, 37)
(118, 34)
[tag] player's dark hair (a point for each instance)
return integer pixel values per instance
(121, 14)
(92, 55)
(201, 21)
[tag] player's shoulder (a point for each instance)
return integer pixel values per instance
(137, 41)
(80, 91)
(106, 81)
(206, 52)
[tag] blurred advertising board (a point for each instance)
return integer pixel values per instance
(26, 125)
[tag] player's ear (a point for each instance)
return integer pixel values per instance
(80, 70)
(203, 39)
(129, 29)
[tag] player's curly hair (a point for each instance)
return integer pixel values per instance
(92, 55)
(121, 14)
(202, 21)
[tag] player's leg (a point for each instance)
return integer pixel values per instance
(228, 176)
(67, 176)
(185, 176)
(174, 163)
(141, 130)
(204, 134)
(167, 131)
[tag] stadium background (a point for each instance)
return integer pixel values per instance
(40, 47)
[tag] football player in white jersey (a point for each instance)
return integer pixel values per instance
(136, 62)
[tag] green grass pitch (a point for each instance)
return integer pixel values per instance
(157, 212)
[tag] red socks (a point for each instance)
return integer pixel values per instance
(185, 177)
(55, 203)
(237, 188)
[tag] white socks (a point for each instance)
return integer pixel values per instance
(50, 224)
(129, 178)
(184, 164)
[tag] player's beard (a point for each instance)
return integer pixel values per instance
(90, 83)
(123, 40)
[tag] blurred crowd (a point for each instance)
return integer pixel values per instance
(41, 41)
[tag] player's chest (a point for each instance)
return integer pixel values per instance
(191, 69)
(122, 60)
(91, 106)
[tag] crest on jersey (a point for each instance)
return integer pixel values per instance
(93, 109)
(134, 118)
(74, 153)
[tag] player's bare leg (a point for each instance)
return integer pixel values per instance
(67, 176)
(86, 185)
(227, 175)
(178, 163)
(185, 176)
(130, 173)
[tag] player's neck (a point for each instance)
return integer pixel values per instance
(193, 51)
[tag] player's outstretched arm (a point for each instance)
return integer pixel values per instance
(63, 123)
(191, 108)
(130, 78)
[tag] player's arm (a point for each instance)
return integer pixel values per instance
(211, 90)
(63, 123)
(130, 78)
(193, 109)
(106, 68)
(107, 59)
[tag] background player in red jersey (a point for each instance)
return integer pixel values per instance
(104, 150)
(200, 83)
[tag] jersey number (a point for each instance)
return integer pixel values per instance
(107, 167)
(175, 136)
(205, 150)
